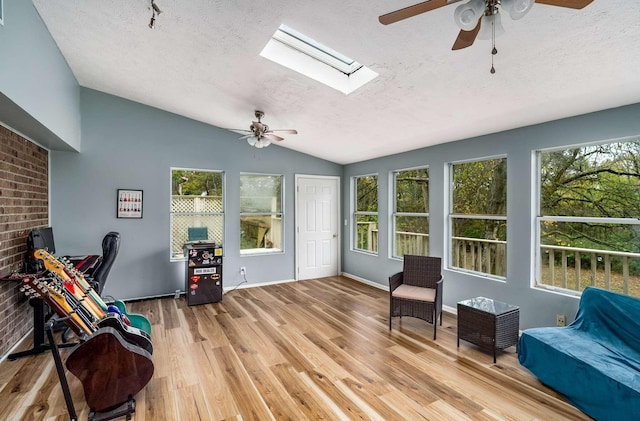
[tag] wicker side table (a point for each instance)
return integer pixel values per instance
(491, 325)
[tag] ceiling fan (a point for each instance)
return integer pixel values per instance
(259, 134)
(470, 15)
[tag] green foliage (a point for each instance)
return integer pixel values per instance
(593, 181)
(412, 196)
(480, 188)
(367, 193)
(196, 183)
(260, 193)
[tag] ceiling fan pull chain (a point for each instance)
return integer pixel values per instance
(494, 51)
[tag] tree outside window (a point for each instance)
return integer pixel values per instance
(478, 218)
(197, 208)
(588, 222)
(261, 217)
(411, 212)
(365, 190)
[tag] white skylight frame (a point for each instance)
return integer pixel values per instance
(298, 52)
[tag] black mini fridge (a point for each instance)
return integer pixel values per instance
(203, 282)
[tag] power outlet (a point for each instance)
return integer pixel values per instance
(561, 320)
(243, 270)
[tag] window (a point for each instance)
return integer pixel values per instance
(261, 213)
(197, 208)
(588, 221)
(410, 212)
(478, 218)
(365, 194)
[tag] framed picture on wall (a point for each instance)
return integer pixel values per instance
(129, 203)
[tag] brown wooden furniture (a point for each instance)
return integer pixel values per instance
(490, 324)
(417, 290)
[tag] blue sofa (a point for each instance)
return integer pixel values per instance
(595, 361)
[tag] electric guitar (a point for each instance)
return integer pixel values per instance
(70, 282)
(137, 321)
(110, 369)
(45, 290)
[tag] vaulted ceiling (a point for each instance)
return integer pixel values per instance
(202, 61)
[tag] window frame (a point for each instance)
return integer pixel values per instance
(393, 205)
(355, 213)
(453, 216)
(262, 251)
(538, 219)
(175, 258)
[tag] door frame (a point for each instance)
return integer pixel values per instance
(296, 259)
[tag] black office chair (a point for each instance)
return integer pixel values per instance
(110, 246)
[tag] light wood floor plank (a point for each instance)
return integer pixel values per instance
(316, 349)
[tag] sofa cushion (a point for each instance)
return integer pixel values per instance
(411, 292)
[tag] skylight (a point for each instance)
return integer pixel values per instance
(307, 56)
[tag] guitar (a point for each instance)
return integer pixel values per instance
(70, 282)
(110, 369)
(68, 304)
(129, 333)
(137, 321)
(43, 289)
(83, 283)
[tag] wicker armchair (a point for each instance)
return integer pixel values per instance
(417, 290)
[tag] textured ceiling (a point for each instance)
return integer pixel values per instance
(202, 61)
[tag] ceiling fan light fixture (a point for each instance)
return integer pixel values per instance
(467, 15)
(517, 8)
(252, 141)
(262, 143)
(488, 25)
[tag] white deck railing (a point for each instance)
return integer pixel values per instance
(561, 267)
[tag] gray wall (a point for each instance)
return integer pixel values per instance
(133, 146)
(537, 307)
(39, 95)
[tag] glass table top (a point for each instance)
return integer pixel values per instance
(488, 305)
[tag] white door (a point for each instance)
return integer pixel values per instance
(317, 240)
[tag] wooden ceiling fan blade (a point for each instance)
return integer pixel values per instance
(466, 38)
(572, 4)
(288, 131)
(271, 136)
(414, 10)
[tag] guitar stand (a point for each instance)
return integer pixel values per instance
(60, 369)
(125, 409)
(39, 344)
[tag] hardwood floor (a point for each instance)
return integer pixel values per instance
(318, 349)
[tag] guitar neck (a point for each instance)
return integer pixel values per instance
(40, 288)
(71, 283)
(82, 282)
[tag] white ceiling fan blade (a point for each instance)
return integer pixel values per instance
(247, 136)
(289, 131)
(239, 131)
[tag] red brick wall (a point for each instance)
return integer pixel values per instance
(24, 204)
